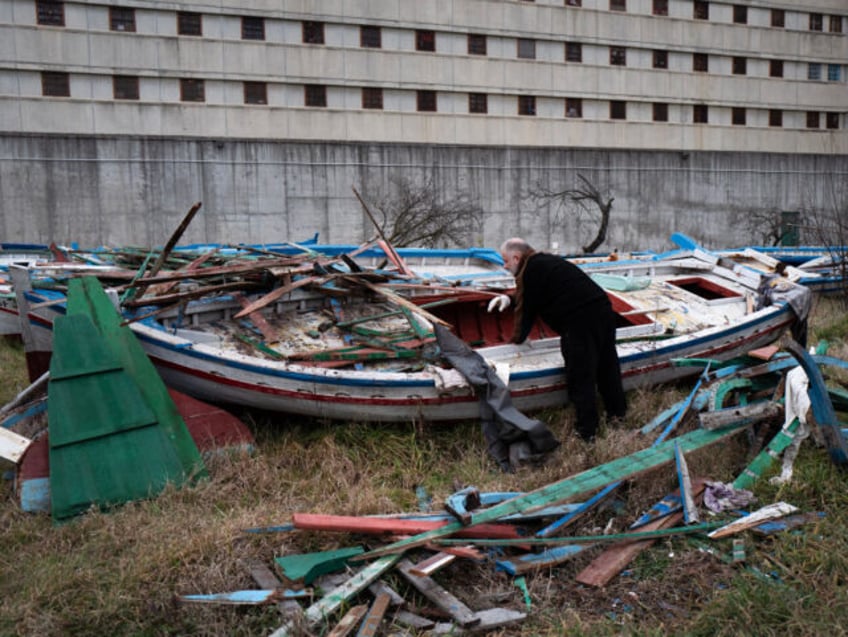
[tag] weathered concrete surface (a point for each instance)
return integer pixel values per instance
(115, 191)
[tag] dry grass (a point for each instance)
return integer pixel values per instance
(116, 573)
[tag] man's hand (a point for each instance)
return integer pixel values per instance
(499, 303)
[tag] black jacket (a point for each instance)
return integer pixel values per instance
(558, 292)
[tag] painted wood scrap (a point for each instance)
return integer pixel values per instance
(788, 523)
(613, 560)
(690, 511)
(12, 445)
(430, 565)
(428, 587)
(534, 561)
(268, 333)
(246, 597)
(411, 620)
(332, 601)
(350, 620)
(768, 512)
(306, 567)
(767, 456)
(571, 487)
(388, 526)
(371, 623)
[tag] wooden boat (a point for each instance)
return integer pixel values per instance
(357, 343)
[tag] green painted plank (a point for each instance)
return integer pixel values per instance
(86, 296)
(767, 456)
(572, 487)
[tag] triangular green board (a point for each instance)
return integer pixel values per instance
(308, 566)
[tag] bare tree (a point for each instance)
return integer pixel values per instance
(583, 196)
(829, 228)
(767, 227)
(413, 214)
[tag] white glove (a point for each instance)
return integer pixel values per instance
(499, 303)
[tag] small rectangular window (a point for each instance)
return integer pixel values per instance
(700, 62)
(122, 19)
(370, 37)
(775, 117)
(660, 7)
(778, 18)
(740, 14)
(573, 52)
(701, 10)
(813, 119)
(660, 112)
(618, 5)
(372, 98)
(315, 95)
(55, 84)
(573, 107)
(526, 48)
(427, 101)
(255, 93)
(700, 114)
(425, 40)
(618, 56)
(814, 71)
(50, 12)
(776, 68)
(737, 116)
(836, 24)
(252, 28)
(478, 103)
(189, 23)
(740, 66)
(312, 32)
(832, 120)
(526, 104)
(618, 109)
(816, 21)
(192, 90)
(833, 72)
(476, 44)
(660, 59)
(574, 3)
(125, 87)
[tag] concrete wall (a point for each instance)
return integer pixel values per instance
(126, 191)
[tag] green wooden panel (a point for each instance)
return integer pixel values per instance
(86, 296)
(308, 566)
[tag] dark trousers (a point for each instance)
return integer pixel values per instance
(591, 360)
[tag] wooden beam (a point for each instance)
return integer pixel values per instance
(388, 526)
(750, 414)
(349, 621)
(769, 512)
(275, 294)
(371, 624)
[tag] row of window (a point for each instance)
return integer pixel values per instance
(52, 12)
(57, 84)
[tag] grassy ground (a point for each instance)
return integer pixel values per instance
(116, 573)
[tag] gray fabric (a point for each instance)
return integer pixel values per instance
(501, 422)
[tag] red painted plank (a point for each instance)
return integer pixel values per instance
(389, 526)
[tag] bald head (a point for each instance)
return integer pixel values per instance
(513, 251)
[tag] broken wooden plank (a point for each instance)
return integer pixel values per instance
(12, 445)
(372, 621)
(268, 333)
(690, 511)
(385, 526)
(490, 619)
(276, 293)
(534, 561)
(750, 414)
(349, 621)
(571, 487)
(406, 618)
(428, 566)
(333, 600)
(428, 587)
(379, 587)
(247, 597)
(768, 512)
(787, 523)
(308, 566)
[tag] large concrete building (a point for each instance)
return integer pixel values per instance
(695, 116)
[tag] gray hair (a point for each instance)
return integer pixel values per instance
(516, 244)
